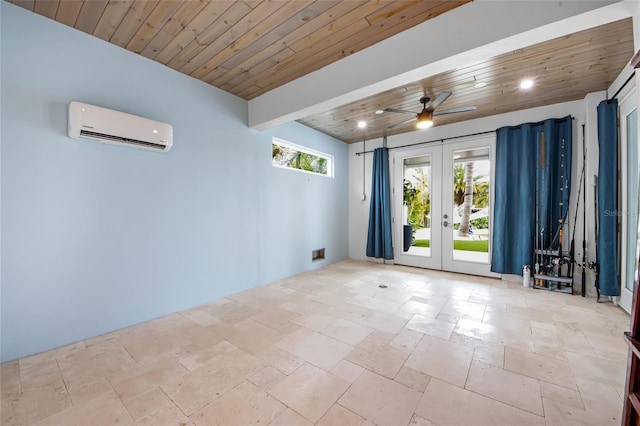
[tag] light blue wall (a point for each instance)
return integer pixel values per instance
(98, 237)
(316, 213)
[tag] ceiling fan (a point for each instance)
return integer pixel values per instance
(425, 117)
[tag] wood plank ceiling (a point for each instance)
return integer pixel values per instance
(243, 47)
(250, 47)
(564, 69)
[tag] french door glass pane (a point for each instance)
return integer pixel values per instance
(471, 189)
(416, 214)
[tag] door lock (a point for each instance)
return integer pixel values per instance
(446, 216)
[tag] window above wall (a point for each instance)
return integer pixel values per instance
(295, 157)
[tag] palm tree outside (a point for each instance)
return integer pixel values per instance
(467, 203)
(470, 195)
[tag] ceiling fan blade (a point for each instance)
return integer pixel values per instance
(395, 126)
(440, 99)
(454, 110)
(400, 111)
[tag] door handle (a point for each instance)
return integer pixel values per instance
(445, 223)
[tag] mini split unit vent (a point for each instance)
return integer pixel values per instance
(118, 128)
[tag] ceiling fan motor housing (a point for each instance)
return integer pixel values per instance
(425, 115)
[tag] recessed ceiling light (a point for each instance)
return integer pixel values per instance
(526, 84)
(380, 111)
(480, 84)
(362, 124)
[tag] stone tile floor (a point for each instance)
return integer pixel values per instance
(329, 347)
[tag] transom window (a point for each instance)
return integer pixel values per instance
(291, 156)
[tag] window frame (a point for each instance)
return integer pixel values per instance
(328, 157)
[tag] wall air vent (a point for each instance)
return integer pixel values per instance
(120, 139)
(317, 255)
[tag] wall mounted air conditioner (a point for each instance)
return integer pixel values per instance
(119, 128)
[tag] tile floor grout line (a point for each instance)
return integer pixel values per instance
(172, 401)
(337, 399)
(66, 388)
(580, 394)
(544, 413)
(499, 401)
(268, 392)
(127, 351)
(125, 408)
(20, 377)
(213, 400)
(466, 379)
(404, 363)
(113, 388)
(546, 381)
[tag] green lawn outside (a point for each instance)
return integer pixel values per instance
(421, 243)
(466, 245)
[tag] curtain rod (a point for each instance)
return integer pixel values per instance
(621, 87)
(446, 139)
(435, 140)
(537, 122)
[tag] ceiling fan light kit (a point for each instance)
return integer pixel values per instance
(425, 120)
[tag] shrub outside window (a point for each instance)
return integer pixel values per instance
(291, 156)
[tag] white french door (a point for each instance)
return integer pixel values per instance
(630, 232)
(417, 186)
(438, 222)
